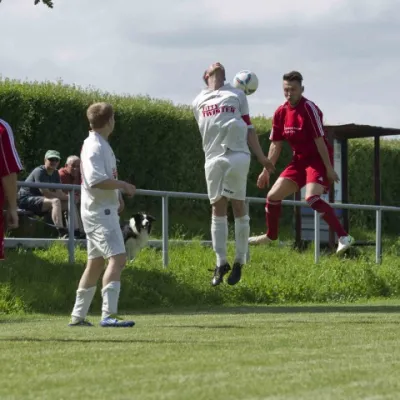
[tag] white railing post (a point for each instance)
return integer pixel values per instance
(32, 242)
(316, 236)
(165, 230)
(71, 228)
(378, 238)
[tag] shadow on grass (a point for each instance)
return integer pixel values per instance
(274, 309)
(61, 340)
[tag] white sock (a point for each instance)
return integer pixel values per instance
(219, 235)
(242, 232)
(110, 295)
(83, 301)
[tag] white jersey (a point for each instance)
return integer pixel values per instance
(98, 163)
(223, 119)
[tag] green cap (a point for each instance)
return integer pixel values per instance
(52, 154)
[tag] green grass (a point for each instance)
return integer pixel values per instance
(289, 330)
(43, 281)
(245, 353)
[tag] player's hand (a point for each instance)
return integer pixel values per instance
(267, 164)
(129, 189)
(12, 219)
(263, 179)
(121, 205)
(332, 176)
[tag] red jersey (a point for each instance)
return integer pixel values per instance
(299, 126)
(9, 158)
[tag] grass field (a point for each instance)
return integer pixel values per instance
(289, 330)
(246, 353)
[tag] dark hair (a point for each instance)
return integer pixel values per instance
(293, 76)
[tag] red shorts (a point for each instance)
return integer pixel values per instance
(307, 171)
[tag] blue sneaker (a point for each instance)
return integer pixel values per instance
(82, 322)
(116, 322)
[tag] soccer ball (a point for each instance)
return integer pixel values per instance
(246, 81)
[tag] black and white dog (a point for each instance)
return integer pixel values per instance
(136, 233)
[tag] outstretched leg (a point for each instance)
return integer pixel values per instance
(313, 198)
(282, 188)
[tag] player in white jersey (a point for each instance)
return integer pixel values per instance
(222, 114)
(101, 202)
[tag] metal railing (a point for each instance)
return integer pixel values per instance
(165, 196)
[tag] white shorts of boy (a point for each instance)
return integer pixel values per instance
(105, 241)
(226, 176)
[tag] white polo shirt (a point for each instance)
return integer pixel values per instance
(98, 207)
(223, 119)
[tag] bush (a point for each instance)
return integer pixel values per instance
(160, 144)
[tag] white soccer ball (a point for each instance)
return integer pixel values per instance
(246, 81)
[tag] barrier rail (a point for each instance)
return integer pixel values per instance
(166, 195)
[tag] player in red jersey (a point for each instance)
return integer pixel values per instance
(10, 165)
(299, 122)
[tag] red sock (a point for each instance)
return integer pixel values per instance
(273, 213)
(327, 213)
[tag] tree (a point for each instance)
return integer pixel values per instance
(49, 3)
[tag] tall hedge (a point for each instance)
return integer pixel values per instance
(158, 141)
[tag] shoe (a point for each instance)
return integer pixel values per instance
(345, 242)
(236, 274)
(116, 322)
(82, 322)
(261, 239)
(219, 273)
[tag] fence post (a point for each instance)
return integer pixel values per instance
(165, 230)
(71, 228)
(247, 204)
(378, 238)
(317, 236)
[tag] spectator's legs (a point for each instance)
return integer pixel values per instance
(54, 206)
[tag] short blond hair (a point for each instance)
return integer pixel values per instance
(99, 114)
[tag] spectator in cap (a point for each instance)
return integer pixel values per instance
(43, 201)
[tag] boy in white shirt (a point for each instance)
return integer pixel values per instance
(100, 202)
(222, 114)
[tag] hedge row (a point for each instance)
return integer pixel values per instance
(156, 141)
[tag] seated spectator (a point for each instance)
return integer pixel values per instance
(70, 174)
(42, 201)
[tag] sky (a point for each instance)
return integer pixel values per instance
(347, 50)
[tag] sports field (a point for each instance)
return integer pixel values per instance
(265, 352)
(256, 340)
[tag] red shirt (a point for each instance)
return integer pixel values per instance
(299, 126)
(9, 158)
(68, 179)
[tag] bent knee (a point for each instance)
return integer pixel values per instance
(55, 202)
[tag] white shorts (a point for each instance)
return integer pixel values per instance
(105, 242)
(226, 176)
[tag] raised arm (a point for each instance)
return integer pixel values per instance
(252, 137)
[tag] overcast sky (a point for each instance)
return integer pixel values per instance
(347, 50)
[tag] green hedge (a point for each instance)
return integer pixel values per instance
(159, 142)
